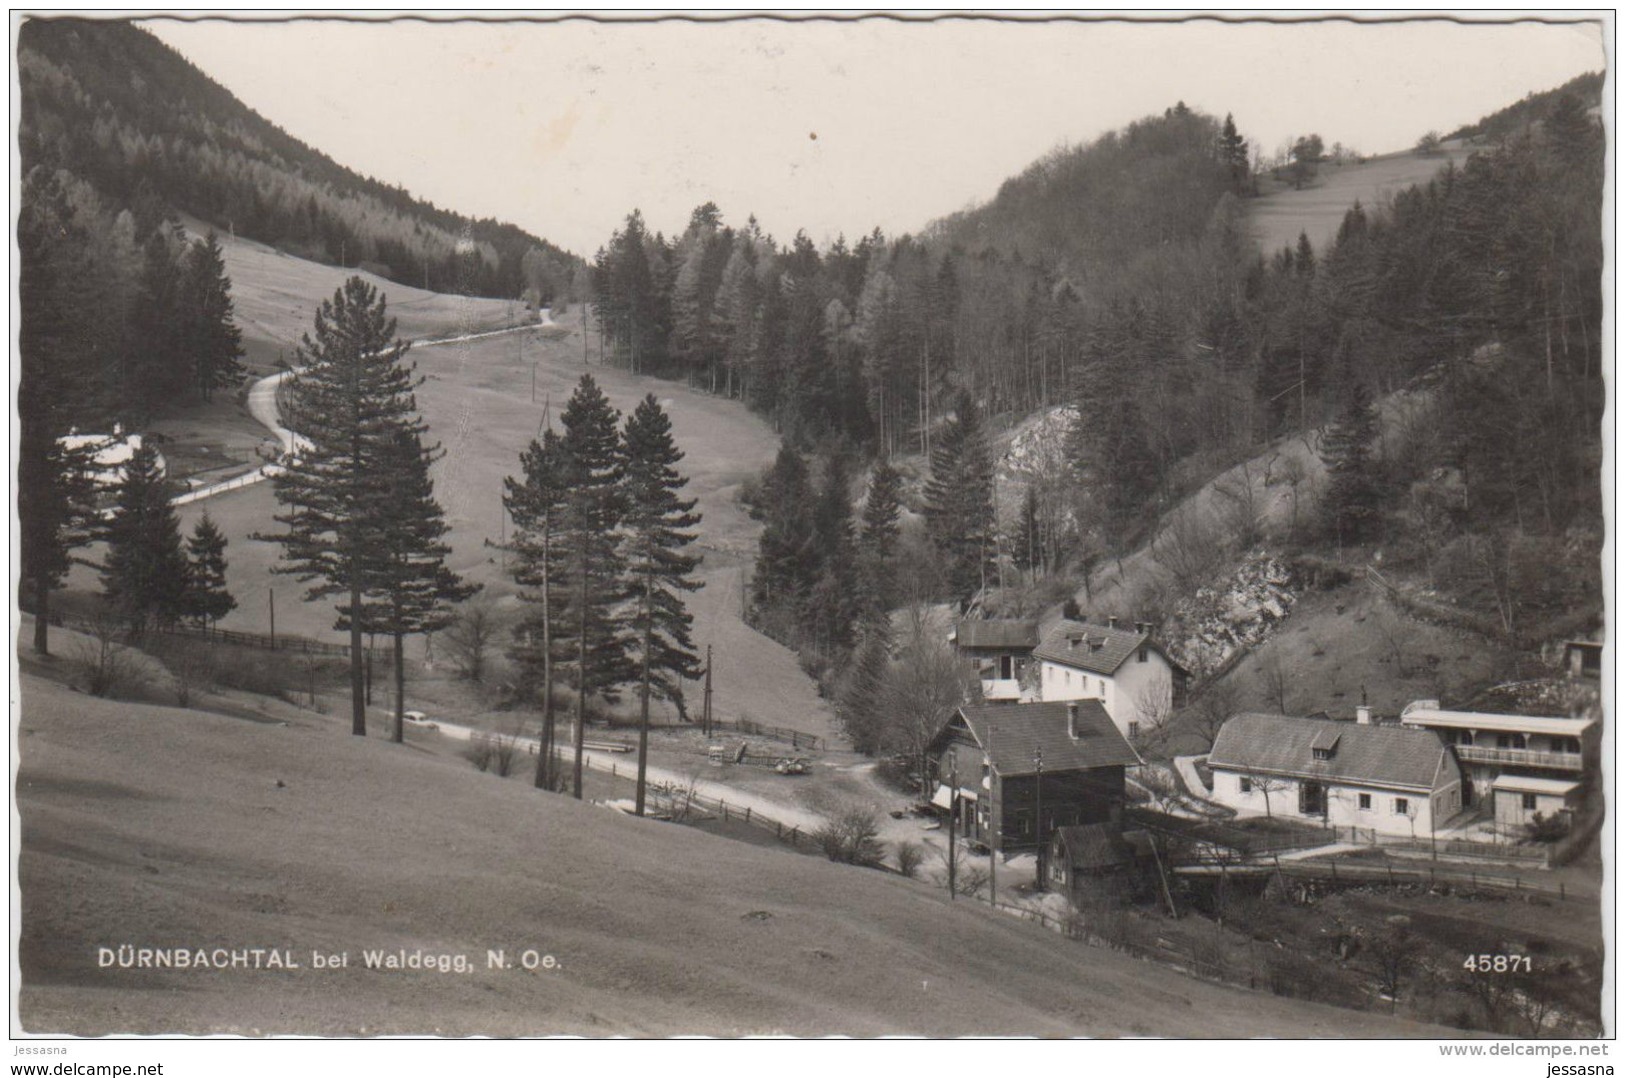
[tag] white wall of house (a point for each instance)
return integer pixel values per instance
(1515, 808)
(1390, 811)
(1120, 694)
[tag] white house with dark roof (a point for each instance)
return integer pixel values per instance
(1396, 779)
(1126, 670)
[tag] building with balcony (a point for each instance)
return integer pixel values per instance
(1491, 745)
(1002, 651)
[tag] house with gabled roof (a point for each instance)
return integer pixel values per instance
(1126, 670)
(998, 766)
(1002, 650)
(1396, 779)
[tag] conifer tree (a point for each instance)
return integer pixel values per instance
(861, 701)
(1351, 492)
(832, 606)
(882, 510)
(655, 531)
(159, 372)
(537, 504)
(597, 571)
(213, 342)
(145, 575)
(409, 589)
(55, 490)
(207, 598)
(785, 556)
(1026, 552)
(348, 403)
(959, 502)
(1233, 155)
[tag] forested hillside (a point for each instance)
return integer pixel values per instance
(1520, 116)
(1116, 278)
(146, 131)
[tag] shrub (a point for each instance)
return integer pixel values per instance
(909, 856)
(851, 836)
(111, 669)
(503, 749)
(480, 752)
(1544, 828)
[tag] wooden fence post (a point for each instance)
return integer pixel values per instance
(747, 814)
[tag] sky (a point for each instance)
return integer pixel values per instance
(832, 126)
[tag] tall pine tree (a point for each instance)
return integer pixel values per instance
(207, 598)
(213, 343)
(593, 561)
(537, 503)
(55, 491)
(655, 532)
(145, 575)
(409, 589)
(959, 502)
(350, 401)
(1351, 491)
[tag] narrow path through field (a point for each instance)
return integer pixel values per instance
(262, 405)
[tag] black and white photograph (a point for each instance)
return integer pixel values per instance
(962, 525)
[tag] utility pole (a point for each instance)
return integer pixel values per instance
(1038, 760)
(953, 818)
(706, 712)
(993, 830)
(271, 595)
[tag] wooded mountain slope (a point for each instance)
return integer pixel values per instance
(114, 106)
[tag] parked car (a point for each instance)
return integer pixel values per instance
(418, 718)
(796, 766)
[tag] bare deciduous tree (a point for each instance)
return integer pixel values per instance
(1190, 549)
(470, 636)
(1273, 681)
(923, 688)
(1154, 710)
(1213, 708)
(1240, 506)
(1266, 785)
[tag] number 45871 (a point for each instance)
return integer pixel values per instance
(1498, 963)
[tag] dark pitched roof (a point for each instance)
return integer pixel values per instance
(1376, 755)
(997, 634)
(1012, 734)
(1095, 845)
(1098, 649)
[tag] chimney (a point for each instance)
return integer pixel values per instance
(1111, 621)
(1142, 627)
(1072, 719)
(1362, 715)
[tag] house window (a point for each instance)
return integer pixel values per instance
(1144, 653)
(1402, 806)
(1529, 802)
(1323, 754)
(1365, 802)
(1511, 741)
(1133, 729)
(1246, 785)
